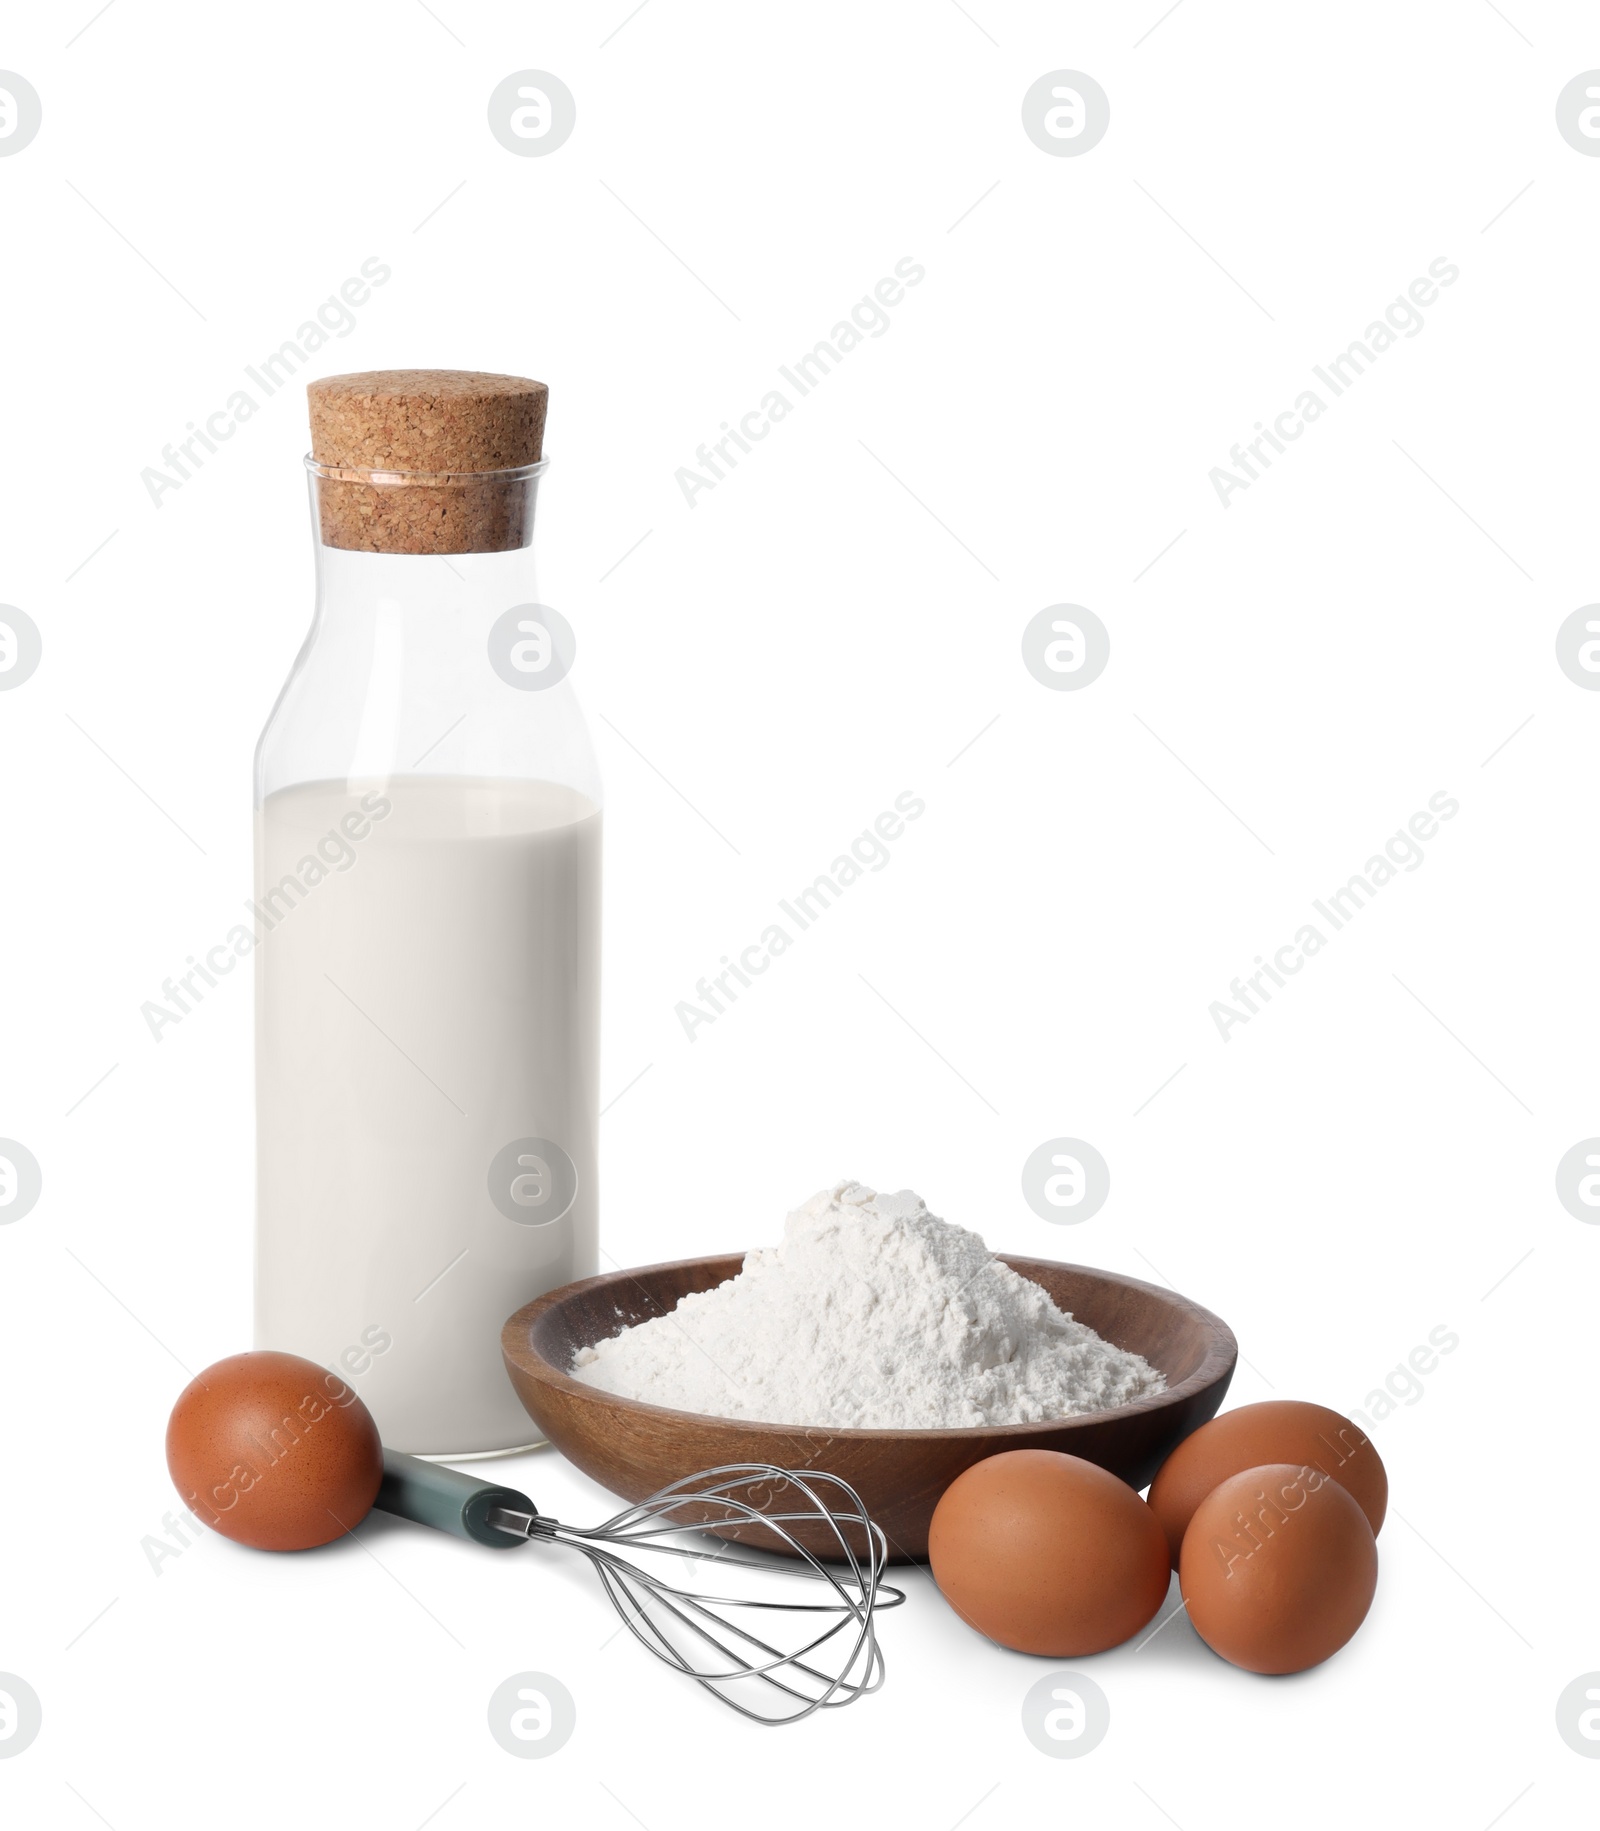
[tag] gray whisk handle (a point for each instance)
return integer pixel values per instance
(435, 1496)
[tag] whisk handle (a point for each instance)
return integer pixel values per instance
(433, 1495)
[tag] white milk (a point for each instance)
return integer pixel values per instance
(427, 1001)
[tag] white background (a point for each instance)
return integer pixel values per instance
(1370, 1157)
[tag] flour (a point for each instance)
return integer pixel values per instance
(870, 1314)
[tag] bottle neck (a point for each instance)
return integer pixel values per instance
(392, 542)
(428, 662)
(418, 587)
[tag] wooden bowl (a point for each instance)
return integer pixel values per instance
(633, 1448)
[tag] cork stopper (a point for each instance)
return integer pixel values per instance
(435, 432)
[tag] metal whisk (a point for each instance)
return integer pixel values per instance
(725, 1642)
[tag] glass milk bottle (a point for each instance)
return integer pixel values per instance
(427, 902)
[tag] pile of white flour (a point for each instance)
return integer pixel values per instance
(874, 1314)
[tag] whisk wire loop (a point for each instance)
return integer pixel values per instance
(682, 1626)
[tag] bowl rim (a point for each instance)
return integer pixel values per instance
(1218, 1362)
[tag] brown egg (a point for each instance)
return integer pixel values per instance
(1047, 1553)
(274, 1451)
(1278, 1430)
(1278, 1568)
